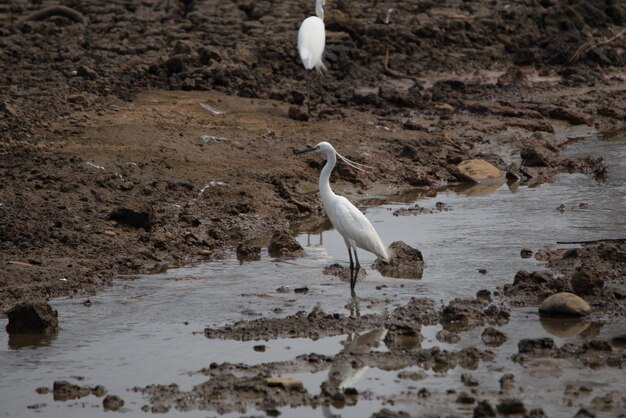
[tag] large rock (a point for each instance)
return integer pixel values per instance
(37, 317)
(478, 171)
(564, 303)
(404, 262)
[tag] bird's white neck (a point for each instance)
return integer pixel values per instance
(325, 191)
(319, 9)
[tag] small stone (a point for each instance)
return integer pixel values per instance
(37, 317)
(536, 346)
(135, 216)
(296, 113)
(482, 271)
(511, 406)
(469, 380)
(112, 402)
(301, 290)
(84, 71)
(42, 390)
(248, 252)
(446, 336)
(564, 303)
(284, 382)
(465, 398)
(260, 348)
(492, 337)
(407, 375)
(484, 409)
(478, 171)
(507, 381)
(526, 253)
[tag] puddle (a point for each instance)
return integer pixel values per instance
(148, 330)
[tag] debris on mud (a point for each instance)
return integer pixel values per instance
(466, 313)
(37, 317)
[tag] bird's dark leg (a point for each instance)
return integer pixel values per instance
(319, 80)
(356, 271)
(308, 91)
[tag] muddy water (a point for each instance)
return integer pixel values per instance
(147, 330)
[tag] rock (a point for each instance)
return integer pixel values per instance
(63, 390)
(507, 381)
(535, 346)
(478, 171)
(526, 253)
(135, 216)
(366, 96)
(86, 72)
(446, 336)
(407, 375)
(585, 281)
(259, 348)
(36, 317)
(284, 382)
(402, 337)
(296, 113)
(492, 337)
(564, 303)
(484, 409)
(536, 413)
(248, 252)
(583, 413)
(284, 244)
(465, 398)
(469, 380)
(388, 413)
(511, 406)
(174, 64)
(112, 403)
(513, 172)
(405, 262)
(7, 108)
(539, 151)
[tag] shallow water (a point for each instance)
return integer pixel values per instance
(147, 330)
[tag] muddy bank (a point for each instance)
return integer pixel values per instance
(94, 186)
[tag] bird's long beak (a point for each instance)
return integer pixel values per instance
(305, 150)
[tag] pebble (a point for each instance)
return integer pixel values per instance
(478, 171)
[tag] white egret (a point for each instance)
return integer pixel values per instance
(354, 227)
(311, 42)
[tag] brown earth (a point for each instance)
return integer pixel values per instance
(104, 172)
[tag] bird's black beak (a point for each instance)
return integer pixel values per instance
(305, 150)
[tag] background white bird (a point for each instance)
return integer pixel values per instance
(311, 43)
(354, 227)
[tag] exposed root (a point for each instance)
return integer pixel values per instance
(584, 48)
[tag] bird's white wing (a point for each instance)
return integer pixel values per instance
(311, 43)
(356, 228)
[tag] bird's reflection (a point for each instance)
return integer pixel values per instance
(347, 369)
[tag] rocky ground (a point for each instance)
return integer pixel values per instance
(136, 136)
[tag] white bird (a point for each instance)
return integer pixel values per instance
(354, 227)
(311, 43)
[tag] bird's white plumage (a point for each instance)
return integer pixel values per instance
(349, 221)
(311, 43)
(355, 228)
